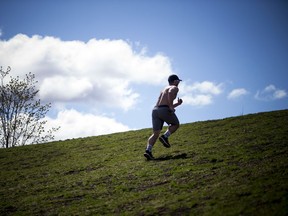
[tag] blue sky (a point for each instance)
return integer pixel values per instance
(103, 63)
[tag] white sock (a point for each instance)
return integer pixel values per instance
(149, 147)
(167, 134)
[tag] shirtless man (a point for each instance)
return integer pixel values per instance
(164, 111)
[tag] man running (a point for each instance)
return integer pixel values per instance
(164, 111)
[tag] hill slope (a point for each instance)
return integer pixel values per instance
(234, 166)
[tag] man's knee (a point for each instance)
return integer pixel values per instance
(173, 128)
(177, 126)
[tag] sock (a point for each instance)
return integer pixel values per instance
(149, 147)
(167, 134)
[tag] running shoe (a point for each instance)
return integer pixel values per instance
(148, 155)
(164, 141)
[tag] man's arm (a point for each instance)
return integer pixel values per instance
(172, 94)
(179, 102)
(171, 97)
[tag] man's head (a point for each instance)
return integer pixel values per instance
(173, 79)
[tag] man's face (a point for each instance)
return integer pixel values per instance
(176, 82)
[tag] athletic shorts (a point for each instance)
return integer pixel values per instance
(161, 114)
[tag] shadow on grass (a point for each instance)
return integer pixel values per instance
(171, 157)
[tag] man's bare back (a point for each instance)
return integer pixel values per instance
(167, 96)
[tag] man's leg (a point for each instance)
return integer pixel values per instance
(151, 141)
(153, 138)
(171, 129)
(164, 138)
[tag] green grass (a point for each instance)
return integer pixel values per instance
(234, 166)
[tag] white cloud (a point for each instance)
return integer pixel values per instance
(75, 124)
(197, 100)
(90, 76)
(236, 93)
(67, 88)
(270, 88)
(200, 93)
(278, 94)
(205, 87)
(102, 71)
(269, 93)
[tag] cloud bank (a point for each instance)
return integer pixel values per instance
(99, 70)
(99, 74)
(236, 93)
(200, 93)
(270, 93)
(77, 124)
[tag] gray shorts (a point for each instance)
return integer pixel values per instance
(161, 114)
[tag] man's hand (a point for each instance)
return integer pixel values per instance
(180, 101)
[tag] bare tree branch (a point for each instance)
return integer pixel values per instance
(21, 114)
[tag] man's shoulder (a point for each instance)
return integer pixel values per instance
(173, 89)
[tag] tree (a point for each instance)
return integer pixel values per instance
(21, 113)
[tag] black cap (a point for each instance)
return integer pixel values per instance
(173, 77)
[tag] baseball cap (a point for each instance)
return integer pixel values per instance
(173, 77)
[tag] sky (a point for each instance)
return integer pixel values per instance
(103, 63)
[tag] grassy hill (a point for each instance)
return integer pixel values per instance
(234, 166)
